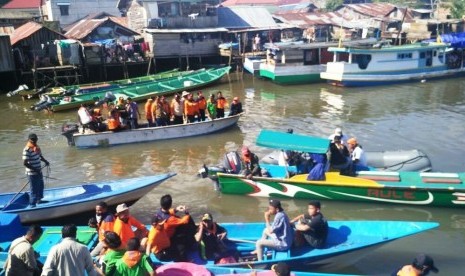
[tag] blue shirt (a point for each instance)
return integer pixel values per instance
(284, 234)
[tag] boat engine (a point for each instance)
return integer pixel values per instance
(68, 130)
(20, 88)
(231, 164)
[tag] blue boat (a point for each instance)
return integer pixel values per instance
(185, 269)
(347, 242)
(73, 200)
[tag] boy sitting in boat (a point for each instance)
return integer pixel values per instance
(311, 228)
(210, 237)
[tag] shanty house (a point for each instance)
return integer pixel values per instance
(18, 12)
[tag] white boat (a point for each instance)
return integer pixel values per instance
(396, 160)
(252, 64)
(110, 138)
(73, 200)
(387, 64)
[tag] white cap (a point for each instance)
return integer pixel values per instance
(338, 131)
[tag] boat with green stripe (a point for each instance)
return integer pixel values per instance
(139, 92)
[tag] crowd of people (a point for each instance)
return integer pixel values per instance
(184, 108)
(125, 244)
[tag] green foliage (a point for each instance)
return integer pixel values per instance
(331, 5)
(457, 8)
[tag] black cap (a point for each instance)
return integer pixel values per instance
(281, 269)
(32, 136)
(315, 203)
(275, 203)
(290, 130)
(424, 262)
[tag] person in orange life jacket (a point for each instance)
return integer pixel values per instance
(32, 155)
(124, 223)
(160, 115)
(113, 122)
(166, 108)
(250, 161)
(202, 102)
(177, 110)
(180, 230)
(158, 241)
(221, 103)
(191, 109)
(133, 262)
(210, 235)
(236, 107)
(103, 221)
(421, 266)
(148, 112)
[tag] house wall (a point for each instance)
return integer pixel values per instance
(78, 9)
(6, 57)
(173, 45)
(137, 16)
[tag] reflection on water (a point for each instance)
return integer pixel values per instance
(427, 116)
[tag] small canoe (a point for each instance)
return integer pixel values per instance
(72, 200)
(347, 242)
(138, 92)
(110, 138)
(189, 269)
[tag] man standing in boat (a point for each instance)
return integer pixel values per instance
(133, 113)
(32, 155)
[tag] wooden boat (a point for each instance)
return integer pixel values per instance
(385, 64)
(347, 242)
(138, 92)
(72, 200)
(109, 138)
(411, 188)
(297, 62)
(346, 239)
(187, 269)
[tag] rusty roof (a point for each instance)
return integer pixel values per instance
(262, 2)
(85, 27)
(28, 29)
(372, 9)
(22, 4)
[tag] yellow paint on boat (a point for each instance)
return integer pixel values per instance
(334, 178)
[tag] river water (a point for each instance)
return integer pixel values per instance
(427, 116)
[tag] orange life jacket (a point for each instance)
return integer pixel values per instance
(191, 108)
(202, 103)
(113, 124)
(221, 103)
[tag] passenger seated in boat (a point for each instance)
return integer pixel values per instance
(86, 120)
(340, 157)
(281, 269)
(277, 235)
(357, 154)
(103, 221)
(180, 230)
(318, 168)
(133, 261)
(210, 237)
(113, 122)
(421, 265)
(159, 242)
(124, 224)
(312, 227)
(113, 252)
(338, 132)
(250, 164)
(236, 107)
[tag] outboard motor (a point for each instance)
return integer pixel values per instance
(68, 130)
(231, 164)
(20, 88)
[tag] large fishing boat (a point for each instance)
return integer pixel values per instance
(386, 64)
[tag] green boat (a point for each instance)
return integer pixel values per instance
(409, 188)
(139, 92)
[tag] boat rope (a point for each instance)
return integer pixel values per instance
(403, 163)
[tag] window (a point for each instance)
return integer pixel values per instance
(404, 56)
(64, 8)
(362, 60)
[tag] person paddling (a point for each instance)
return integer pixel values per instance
(32, 155)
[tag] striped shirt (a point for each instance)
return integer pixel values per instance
(33, 158)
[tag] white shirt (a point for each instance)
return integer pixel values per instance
(282, 158)
(84, 115)
(359, 153)
(22, 259)
(69, 258)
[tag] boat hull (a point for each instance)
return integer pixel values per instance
(292, 74)
(140, 135)
(411, 191)
(73, 200)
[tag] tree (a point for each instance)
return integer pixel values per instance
(332, 5)
(457, 9)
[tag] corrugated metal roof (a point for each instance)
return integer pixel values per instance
(372, 9)
(28, 29)
(182, 31)
(245, 18)
(95, 15)
(22, 4)
(86, 26)
(261, 2)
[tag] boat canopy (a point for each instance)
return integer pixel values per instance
(456, 40)
(288, 141)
